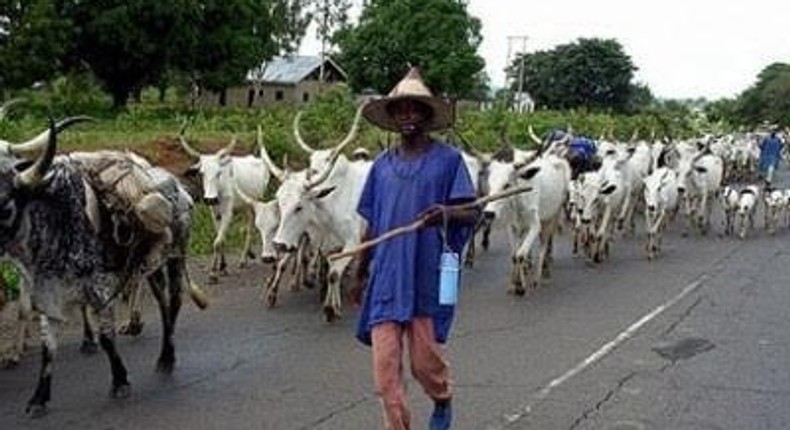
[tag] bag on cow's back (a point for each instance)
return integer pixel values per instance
(128, 184)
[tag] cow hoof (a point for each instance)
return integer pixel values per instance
(9, 362)
(89, 347)
(121, 391)
(213, 278)
(165, 366)
(132, 328)
(35, 410)
(271, 300)
(519, 291)
(330, 314)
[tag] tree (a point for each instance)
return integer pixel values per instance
(131, 44)
(590, 73)
(438, 36)
(768, 99)
(34, 37)
(237, 35)
(331, 15)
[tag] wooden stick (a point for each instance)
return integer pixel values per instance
(482, 201)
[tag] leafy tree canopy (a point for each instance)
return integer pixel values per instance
(438, 36)
(589, 73)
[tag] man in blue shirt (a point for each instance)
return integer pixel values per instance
(581, 155)
(416, 179)
(770, 154)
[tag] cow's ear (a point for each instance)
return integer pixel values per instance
(700, 169)
(323, 192)
(192, 170)
(529, 173)
(225, 159)
(608, 189)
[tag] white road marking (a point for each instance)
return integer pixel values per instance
(523, 411)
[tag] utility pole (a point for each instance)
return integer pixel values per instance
(510, 41)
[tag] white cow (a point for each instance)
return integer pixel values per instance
(747, 206)
(222, 174)
(699, 180)
(323, 206)
(775, 204)
(602, 197)
(661, 204)
(729, 198)
(530, 215)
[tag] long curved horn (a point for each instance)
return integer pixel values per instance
(229, 148)
(534, 136)
(298, 135)
(194, 153)
(351, 134)
(34, 175)
(39, 142)
(7, 105)
(276, 171)
(468, 147)
(635, 135)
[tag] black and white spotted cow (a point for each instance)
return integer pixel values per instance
(68, 246)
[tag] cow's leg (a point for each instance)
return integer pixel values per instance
(120, 384)
(486, 235)
(269, 294)
(332, 302)
(89, 345)
(134, 327)
(601, 236)
(249, 231)
(24, 318)
(219, 265)
(37, 405)
(523, 256)
(301, 261)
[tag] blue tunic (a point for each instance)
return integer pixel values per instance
(583, 147)
(770, 153)
(404, 271)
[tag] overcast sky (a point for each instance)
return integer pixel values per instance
(683, 48)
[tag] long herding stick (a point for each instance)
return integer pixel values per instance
(420, 223)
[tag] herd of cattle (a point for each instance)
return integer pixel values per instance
(86, 228)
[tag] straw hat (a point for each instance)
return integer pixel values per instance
(410, 87)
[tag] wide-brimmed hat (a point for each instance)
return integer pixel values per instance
(410, 87)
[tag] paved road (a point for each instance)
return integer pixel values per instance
(698, 339)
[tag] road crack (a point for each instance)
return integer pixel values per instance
(589, 412)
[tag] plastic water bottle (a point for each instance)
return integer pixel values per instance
(448, 278)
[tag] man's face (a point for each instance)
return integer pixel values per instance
(409, 115)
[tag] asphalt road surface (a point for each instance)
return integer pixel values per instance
(698, 339)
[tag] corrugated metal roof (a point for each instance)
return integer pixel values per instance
(287, 70)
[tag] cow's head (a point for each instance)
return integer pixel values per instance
(594, 188)
(659, 190)
(19, 181)
(213, 169)
(501, 176)
(300, 204)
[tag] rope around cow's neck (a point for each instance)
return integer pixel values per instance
(482, 201)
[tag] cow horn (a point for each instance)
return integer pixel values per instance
(298, 135)
(351, 134)
(231, 146)
(276, 171)
(534, 136)
(39, 142)
(635, 135)
(34, 175)
(188, 149)
(7, 105)
(469, 147)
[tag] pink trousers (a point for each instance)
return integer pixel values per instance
(428, 367)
